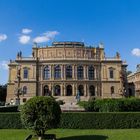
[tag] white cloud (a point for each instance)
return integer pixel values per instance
(4, 65)
(24, 39)
(26, 31)
(3, 37)
(136, 52)
(45, 37)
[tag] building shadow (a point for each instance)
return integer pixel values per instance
(85, 137)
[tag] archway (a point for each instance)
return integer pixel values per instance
(92, 90)
(130, 92)
(46, 90)
(57, 90)
(69, 90)
(81, 90)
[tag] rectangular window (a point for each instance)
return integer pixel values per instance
(111, 74)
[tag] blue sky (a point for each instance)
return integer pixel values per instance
(116, 23)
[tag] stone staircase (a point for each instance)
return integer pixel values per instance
(70, 104)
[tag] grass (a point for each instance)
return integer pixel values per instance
(76, 134)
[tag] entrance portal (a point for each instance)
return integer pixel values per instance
(92, 90)
(57, 90)
(81, 90)
(69, 90)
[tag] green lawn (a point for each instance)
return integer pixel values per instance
(76, 134)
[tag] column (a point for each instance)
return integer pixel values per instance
(87, 72)
(41, 91)
(62, 90)
(41, 73)
(64, 72)
(73, 71)
(52, 72)
(95, 76)
(85, 77)
(73, 90)
(52, 89)
(76, 88)
(76, 72)
(85, 89)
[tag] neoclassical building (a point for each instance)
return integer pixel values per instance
(65, 69)
(134, 82)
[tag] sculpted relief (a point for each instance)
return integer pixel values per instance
(48, 53)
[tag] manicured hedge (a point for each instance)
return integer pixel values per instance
(100, 120)
(10, 121)
(8, 108)
(112, 105)
(82, 120)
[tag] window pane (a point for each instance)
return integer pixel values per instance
(46, 73)
(80, 72)
(91, 72)
(25, 76)
(69, 72)
(57, 72)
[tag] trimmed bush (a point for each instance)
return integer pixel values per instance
(10, 121)
(112, 105)
(40, 113)
(91, 120)
(81, 120)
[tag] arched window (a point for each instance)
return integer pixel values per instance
(111, 73)
(24, 90)
(57, 90)
(91, 72)
(80, 72)
(25, 73)
(69, 71)
(112, 90)
(92, 90)
(46, 73)
(69, 90)
(81, 90)
(57, 72)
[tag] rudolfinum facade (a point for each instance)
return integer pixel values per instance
(65, 69)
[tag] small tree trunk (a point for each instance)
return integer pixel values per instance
(39, 138)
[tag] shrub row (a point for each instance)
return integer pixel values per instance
(112, 105)
(82, 120)
(10, 121)
(8, 108)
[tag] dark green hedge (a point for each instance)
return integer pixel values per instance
(112, 105)
(8, 108)
(100, 120)
(10, 121)
(82, 120)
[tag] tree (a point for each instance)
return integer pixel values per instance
(40, 113)
(3, 93)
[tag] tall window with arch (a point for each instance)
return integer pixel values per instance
(69, 71)
(57, 72)
(80, 72)
(24, 89)
(25, 73)
(46, 72)
(111, 73)
(91, 72)
(112, 90)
